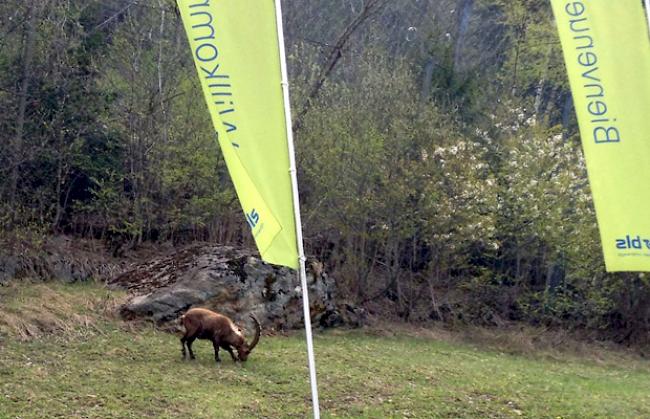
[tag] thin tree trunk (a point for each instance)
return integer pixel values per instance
(464, 15)
(370, 8)
(23, 92)
(539, 91)
(433, 279)
(425, 90)
(59, 184)
(566, 114)
(520, 39)
(161, 35)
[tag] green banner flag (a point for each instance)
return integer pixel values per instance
(607, 54)
(236, 52)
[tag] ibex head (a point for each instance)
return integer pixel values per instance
(246, 348)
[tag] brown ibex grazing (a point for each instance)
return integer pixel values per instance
(201, 323)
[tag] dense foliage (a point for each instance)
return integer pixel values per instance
(440, 165)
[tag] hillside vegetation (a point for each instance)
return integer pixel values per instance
(440, 166)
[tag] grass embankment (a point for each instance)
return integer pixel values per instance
(61, 355)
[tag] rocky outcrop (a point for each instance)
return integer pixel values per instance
(234, 282)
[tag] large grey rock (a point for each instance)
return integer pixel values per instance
(235, 283)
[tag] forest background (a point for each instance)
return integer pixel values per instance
(440, 166)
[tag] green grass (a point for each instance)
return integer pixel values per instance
(101, 369)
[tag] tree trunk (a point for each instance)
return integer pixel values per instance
(464, 10)
(370, 8)
(23, 91)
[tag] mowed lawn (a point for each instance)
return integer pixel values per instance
(98, 368)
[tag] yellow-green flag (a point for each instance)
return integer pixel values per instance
(236, 52)
(607, 54)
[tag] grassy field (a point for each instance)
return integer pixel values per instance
(62, 355)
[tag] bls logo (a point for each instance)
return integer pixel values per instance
(253, 218)
(632, 243)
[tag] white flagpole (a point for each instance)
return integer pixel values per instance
(647, 11)
(296, 206)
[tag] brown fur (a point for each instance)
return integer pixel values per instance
(201, 323)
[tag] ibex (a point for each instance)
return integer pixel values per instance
(201, 323)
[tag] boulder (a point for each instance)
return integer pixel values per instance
(233, 282)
